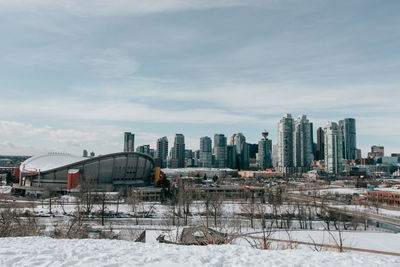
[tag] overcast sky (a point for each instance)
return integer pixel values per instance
(75, 74)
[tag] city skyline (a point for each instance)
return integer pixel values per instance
(78, 78)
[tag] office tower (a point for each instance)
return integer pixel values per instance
(265, 152)
(152, 153)
(302, 145)
(358, 156)
(189, 158)
(348, 127)
(145, 149)
(376, 152)
(313, 150)
(253, 150)
(85, 153)
(205, 152)
(178, 150)
(333, 148)
(275, 156)
(231, 157)
(162, 151)
(197, 154)
(189, 154)
(285, 144)
(129, 142)
(220, 151)
(320, 144)
(242, 151)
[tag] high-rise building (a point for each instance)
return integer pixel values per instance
(265, 152)
(302, 145)
(358, 156)
(129, 142)
(162, 151)
(178, 150)
(231, 157)
(285, 144)
(205, 152)
(313, 150)
(189, 154)
(348, 127)
(333, 148)
(145, 149)
(189, 158)
(85, 153)
(152, 153)
(376, 152)
(242, 151)
(275, 156)
(220, 151)
(320, 144)
(253, 150)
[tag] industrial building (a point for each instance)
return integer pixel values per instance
(62, 172)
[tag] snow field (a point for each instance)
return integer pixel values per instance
(42, 251)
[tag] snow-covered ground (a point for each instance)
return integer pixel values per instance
(389, 242)
(343, 191)
(42, 251)
(4, 189)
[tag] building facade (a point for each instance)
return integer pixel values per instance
(231, 157)
(178, 151)
(265, 153)
(348, 127)
(220, 151)
(333, 148)
(117, 170)
(162, 151)
(320, 144)
(205, 152)
(376, 152)
(242, 151)
(302, 144)
(285, 144)
(145, 149)
(129, 142)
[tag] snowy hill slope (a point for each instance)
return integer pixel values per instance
(42, 251)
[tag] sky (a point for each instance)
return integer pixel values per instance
(76, 75)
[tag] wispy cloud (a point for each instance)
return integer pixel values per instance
(116, 7)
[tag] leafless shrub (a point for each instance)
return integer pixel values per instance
(70, 229)
(14, 223)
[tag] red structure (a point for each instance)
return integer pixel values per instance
(17, 173)
(73, 179)
(384, 197)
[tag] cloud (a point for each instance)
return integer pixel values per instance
(111, 64)
(67, 137)
(118, 110)
(112, 8)
(256, 99)
(8, 148)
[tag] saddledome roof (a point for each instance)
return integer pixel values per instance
(48, 161)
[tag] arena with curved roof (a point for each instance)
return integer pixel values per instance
(54, 170)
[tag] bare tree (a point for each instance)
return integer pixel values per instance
(133, 201)
(14, 223)
(86, 195)
(216, 206)
(49, 193)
